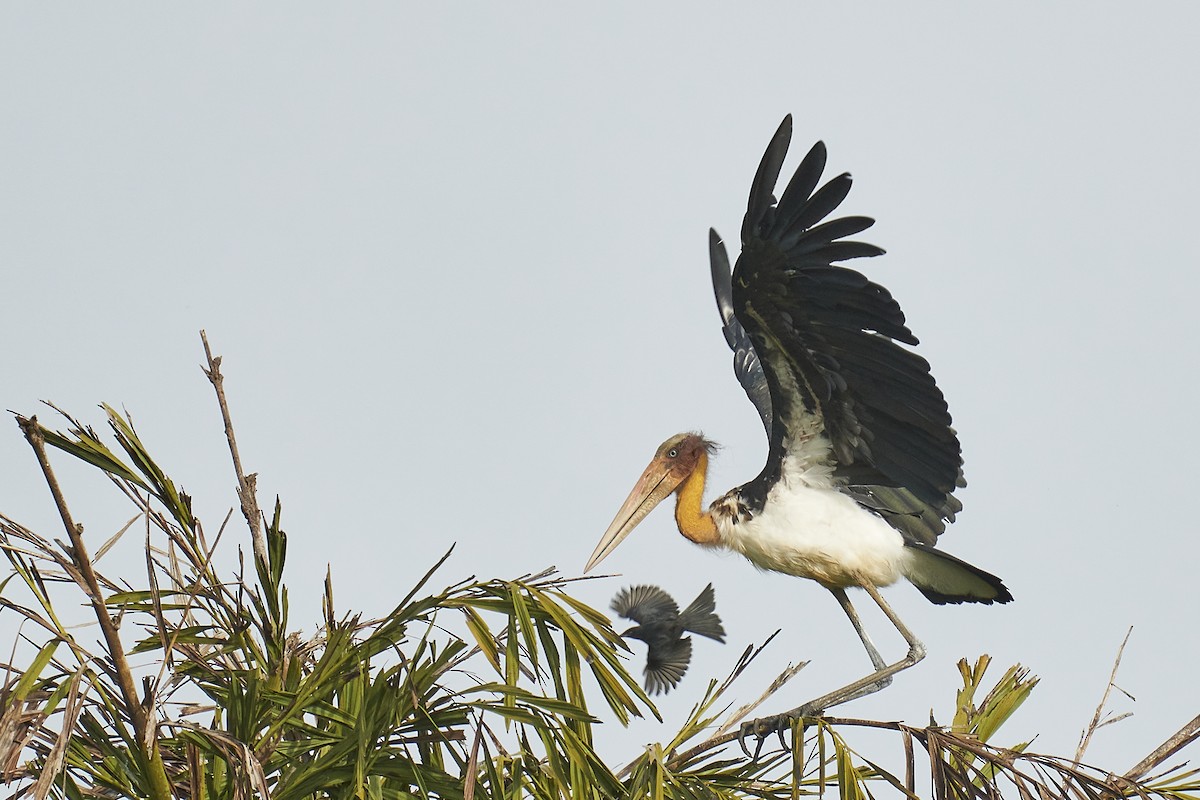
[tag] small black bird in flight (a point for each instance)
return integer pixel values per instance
(661, 627)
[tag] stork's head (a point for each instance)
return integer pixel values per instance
(676, 459)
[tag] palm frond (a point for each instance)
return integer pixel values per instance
(479, 688)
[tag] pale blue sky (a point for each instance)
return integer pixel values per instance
(455, 258)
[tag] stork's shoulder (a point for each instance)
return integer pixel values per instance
(730, 509)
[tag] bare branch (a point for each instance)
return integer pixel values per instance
(138, 713)
(1185, 736)
(247, 488)
(1097, 723)
(79, 556)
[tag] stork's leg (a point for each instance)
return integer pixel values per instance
(844, 602)
(880, 678)
(876, 659)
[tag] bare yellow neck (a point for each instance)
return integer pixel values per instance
(694, 522)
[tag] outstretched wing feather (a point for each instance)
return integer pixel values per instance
(666, 664)
(645, 604)
(829, 346)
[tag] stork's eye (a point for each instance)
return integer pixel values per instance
(672, 453)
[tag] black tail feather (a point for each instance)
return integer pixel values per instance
(945, 579)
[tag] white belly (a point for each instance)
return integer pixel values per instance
(817, 533)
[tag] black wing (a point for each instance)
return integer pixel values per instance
(645, 605)
(665, 664)
(746, 366)
(828, 341)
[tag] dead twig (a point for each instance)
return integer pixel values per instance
(247, 489)
(724, 735)
(1098, 720)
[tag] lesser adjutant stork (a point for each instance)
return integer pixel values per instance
(863, 463)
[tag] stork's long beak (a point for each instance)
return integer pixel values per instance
(655, 485)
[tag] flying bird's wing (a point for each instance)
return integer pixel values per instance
(845, 393)
(665, 665)
(645, 605)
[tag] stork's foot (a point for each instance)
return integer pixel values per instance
(763, 727)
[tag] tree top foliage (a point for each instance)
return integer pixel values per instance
(191, 684)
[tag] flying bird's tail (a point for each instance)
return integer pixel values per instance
(700, 618)
(943, 579)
